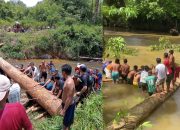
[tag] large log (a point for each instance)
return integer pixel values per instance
(140, 112)
(36, 91)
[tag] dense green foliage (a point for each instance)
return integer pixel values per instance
(157, 15)
(66, 42)
(48, 12)
(165, 44)
(87, 117)
(116, 46)
(59, 28)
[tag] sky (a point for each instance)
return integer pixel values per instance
(29, 3)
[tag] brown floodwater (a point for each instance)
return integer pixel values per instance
(118, 97)
(58, 63)
(167, 116)
(140, 39)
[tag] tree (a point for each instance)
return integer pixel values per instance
(116, 46)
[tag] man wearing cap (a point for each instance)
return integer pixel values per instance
(12, 115)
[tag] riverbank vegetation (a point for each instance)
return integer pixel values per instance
(151, 15)
(61, 29)
(117, 47)
(87, 117)
(165, 44)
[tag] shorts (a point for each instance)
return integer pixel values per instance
(44, 75)
(69, 115)
(173, 71)
(115, 76)
(169, 79)
(129, 81)
(160, 82)
(124, 77)
(143, 86)
(135, 84)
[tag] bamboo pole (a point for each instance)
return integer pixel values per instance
(42, 96)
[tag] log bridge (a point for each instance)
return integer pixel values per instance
(42, 96)
(141, 111)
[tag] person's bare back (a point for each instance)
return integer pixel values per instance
(125, 69)
(131, 74)
(115, 67)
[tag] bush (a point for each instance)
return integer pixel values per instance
(117, 47)
(164, 44)
(13, 51)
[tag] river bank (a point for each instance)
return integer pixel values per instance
(141, 42)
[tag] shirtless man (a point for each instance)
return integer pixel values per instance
(124, 70)
(115, 71)
(68, 104)
(172, 64)
(136, 79)
(131, 74)
(43, 70)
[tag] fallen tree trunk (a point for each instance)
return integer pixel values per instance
(42, 96)
(140, 112)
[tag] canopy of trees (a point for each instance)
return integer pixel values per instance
(155, 15)
(74, 29)
(50, 12)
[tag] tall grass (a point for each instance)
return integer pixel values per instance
(87, 117)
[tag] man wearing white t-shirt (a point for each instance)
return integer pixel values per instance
(161, 72)
(34, 71)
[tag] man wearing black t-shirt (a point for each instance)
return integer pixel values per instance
(83, 85)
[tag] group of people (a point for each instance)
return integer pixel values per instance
(71, 89)
(151, 79)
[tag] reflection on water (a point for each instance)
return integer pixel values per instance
(140, 39)
(119, 97)
(167, 116)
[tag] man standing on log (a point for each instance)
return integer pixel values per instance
(172, 64)
(161, 74)
(68, 104)
(12, 115)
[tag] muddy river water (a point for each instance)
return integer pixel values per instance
(118, 97)
(57, 62)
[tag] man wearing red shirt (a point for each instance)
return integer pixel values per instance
(169, 70)
(12, 115)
